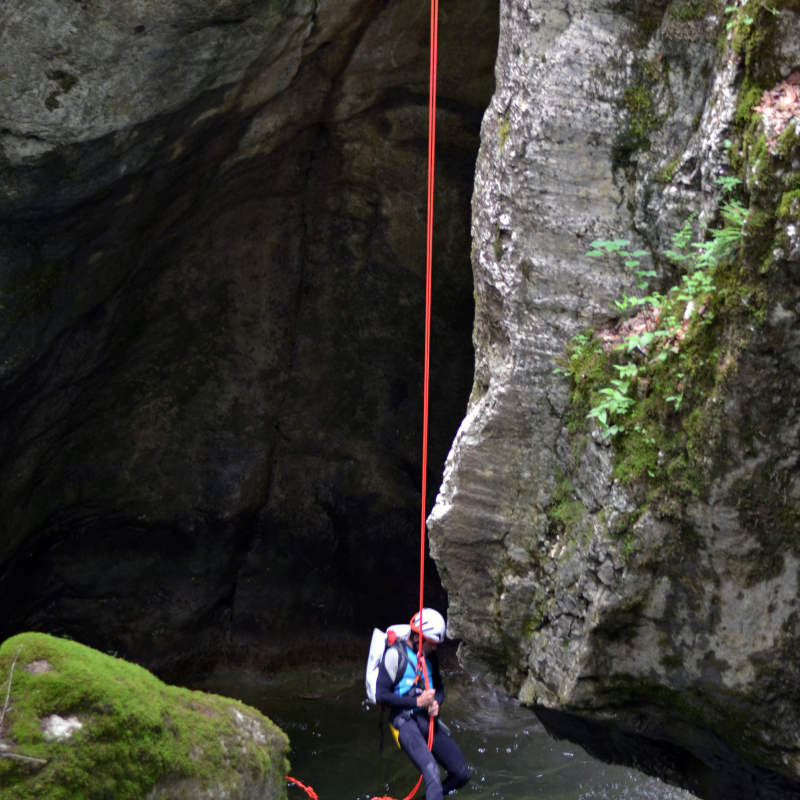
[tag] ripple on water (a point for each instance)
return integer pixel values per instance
(334, 738)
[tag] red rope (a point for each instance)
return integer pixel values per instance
(428, 272)
(307, 789)
(426, 383)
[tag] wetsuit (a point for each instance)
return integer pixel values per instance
(412, 723)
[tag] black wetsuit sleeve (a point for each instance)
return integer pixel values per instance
(384, 692)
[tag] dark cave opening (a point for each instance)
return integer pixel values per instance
(211, 424)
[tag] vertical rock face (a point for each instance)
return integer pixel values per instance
(212, 265)
(655, 624)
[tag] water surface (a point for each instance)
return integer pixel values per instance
(334, 739)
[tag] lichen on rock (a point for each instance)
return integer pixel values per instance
(83, 725)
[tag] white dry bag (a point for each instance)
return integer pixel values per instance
(376, 650)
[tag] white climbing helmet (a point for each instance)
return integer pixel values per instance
(433, 625)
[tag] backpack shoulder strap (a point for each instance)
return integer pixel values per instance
(402, 659)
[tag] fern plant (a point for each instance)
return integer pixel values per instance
(685, 307)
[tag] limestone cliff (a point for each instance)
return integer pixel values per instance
(212, 238)
(643, 602)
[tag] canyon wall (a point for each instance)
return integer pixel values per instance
(212, 245)
(212, 223)
(638, 591)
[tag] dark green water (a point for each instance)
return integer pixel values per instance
(334, 738)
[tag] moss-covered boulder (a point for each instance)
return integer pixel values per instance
(82, 725)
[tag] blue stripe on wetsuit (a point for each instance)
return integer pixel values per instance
(409, 678)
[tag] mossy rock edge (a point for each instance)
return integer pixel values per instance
(138, 737)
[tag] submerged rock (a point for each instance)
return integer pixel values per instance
(81, 724)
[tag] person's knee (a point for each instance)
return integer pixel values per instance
(457, 778)
(432, 775)
(462, 776)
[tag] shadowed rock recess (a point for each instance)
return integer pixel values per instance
(212, 245)
(654, 620)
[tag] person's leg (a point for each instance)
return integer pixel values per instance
(446, 752)
(415, 745)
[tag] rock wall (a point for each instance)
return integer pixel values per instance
(652, 620)
(212, 271)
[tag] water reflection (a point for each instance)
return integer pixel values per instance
(334, 737)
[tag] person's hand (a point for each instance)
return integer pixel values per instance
(433, 709)
(425, 698)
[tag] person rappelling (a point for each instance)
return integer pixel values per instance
(414, 692)
(402, 667)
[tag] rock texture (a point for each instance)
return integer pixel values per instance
(661, 635)
(212, 271)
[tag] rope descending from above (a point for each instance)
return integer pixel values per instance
(426, 385)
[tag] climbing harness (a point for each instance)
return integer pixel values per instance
(418, 620)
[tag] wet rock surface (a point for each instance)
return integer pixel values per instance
(659, 637)
(212, 263)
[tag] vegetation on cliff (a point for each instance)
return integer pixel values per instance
(635, 378)
(656, 382)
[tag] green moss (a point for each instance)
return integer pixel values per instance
(565, 511)
(752, 26)
(639, 102)
(759, 159)
(629, 546)
(497, 244)
(498, 248)
(569, 513)
(651, 70)
(689, 10)
(789, 207)
(505, 129)
(665, 175)
(589, 368)
(717, 708)
(749, 97)
(648, 25)
(759, 221)
(136, 729)
(537, 619)
(667, 445)
(787, 140)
